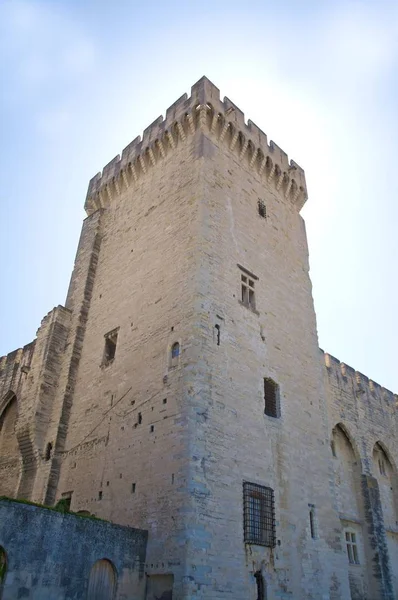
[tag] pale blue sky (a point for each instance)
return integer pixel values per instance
(80, 80)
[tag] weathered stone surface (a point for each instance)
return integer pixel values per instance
(164, 443)
(50, 555)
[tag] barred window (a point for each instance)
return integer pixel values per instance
(271, 398)
(258, 515)
(262, 211)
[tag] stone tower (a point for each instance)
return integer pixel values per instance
(181, 388)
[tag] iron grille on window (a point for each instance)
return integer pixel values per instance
(271, 398)
(262, 211)
(258, 515)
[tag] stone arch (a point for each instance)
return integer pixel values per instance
(347, 472)
(103, 581)
(10, 457)
(3, 569)
(385, 473)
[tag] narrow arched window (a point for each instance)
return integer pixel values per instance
(175, 350)
(102, 582)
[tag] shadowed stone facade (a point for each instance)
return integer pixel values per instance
(185, 369)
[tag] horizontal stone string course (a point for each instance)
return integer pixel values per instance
(223, 120)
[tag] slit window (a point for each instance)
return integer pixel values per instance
(110, 346)
(271, 398)
(352, 548)
(382, 467)
(258, 515)
(217, 330)
(312, 523)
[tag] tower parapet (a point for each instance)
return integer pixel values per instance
(347, 376)
(222, 119)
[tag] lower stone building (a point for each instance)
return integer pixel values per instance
(181, 389)
(53, 556)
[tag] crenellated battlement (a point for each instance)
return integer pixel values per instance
(222, 119)
(346, 375)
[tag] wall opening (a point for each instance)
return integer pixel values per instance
(103, 581)
(312, 523)
(3, 569)
(49, 450)
(217, 330)
(160, 587)
(260, 584)
(259, 515)
(271, 398)
(110, 346)
(262, 211)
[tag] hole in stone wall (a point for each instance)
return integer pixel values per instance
(49, 450)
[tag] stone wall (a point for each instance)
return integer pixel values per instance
(28, 384)
(50, 556)
(143, 399)
(363, 422)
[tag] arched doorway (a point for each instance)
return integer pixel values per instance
(102, 582)
(3, 569)
(9, 448)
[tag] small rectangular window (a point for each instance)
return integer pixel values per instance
(133, 488)
(262, 211)
(110, 346)
(271, 398)
(258, 515)
(247, 292)
(352, 548)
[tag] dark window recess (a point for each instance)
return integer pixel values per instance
(110, 346)
(260, 585)
(139, 418)
(218, 333)
(262, 211)
(175, 350)
(49, 451)
(152, 428)
(271, 398)
(99, 495)
(133, 488)
(258, 515)
(164, 400)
